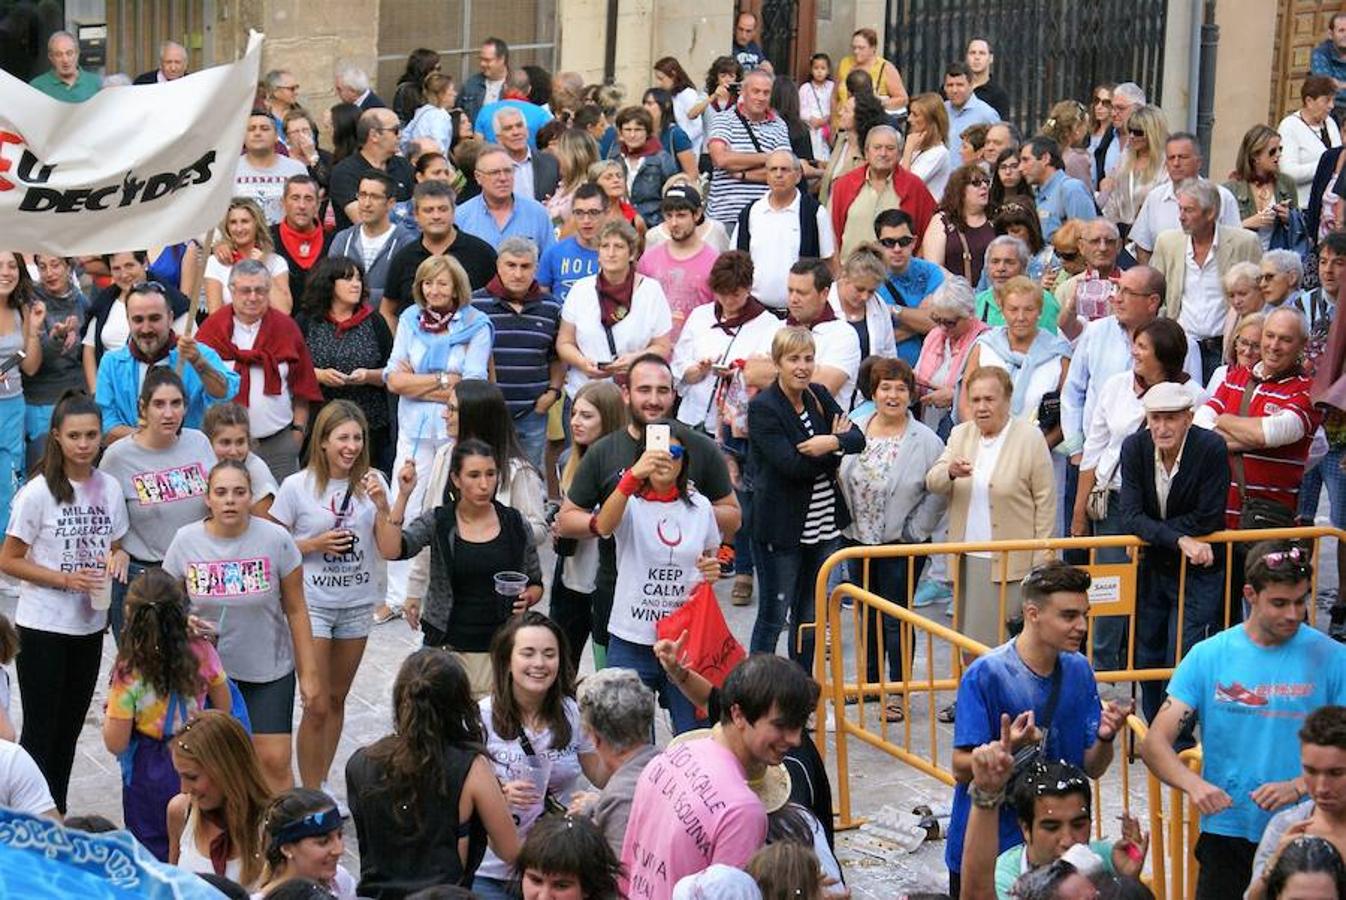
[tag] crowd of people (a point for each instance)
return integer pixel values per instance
(717, 333)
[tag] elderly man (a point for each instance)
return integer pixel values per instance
(1159, 212)
(282, 96)
(535, 174)
(433, 206)
(515, 97)
(1006, 257)
(785, 225)
(153, 343)
(1104, 349)
(351, 84)
(526, 319)
(964, 107)
(172, 65)
(1057, 195)
(1194, 261)
(65, 81)
(299, 237)
(682, 263)
(979, 59)
(1126, 98)
(375, 240)
(499, 211)
(881, 183)
(1174, 479)
(617, 714)
(738, 146)
(909, 282)
(1087, 296)
(277, 382)
(576, 257)
(488, 84)
(376, 135)
(1000, 137)
(262, 173)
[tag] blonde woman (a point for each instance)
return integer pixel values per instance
(432, 119)
(244, 235)
(925, 154)
(575, 151)
(1121, 193)
(1067, 123)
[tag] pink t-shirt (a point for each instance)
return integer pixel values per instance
(692, 809)
(684, 280)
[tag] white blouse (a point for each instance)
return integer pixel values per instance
(1117, 415)
(700, 339)
(649, 318)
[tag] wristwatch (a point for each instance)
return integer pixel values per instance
(443, 379)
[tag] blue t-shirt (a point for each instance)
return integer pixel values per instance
(1000, 682)
(565, 263)
(1250, 701)
(912, 286)
(675, 140)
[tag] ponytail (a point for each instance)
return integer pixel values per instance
(52, 464)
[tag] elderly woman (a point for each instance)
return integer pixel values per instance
(1245, 348)
(1264, 193)
(944, 352)
(1006, 257)
(1279, 278)
(1158, 352)
(1243, 292)
(611, 318)
(645, 163)
(797, 435)
(884, 487)
(617, 715)
(854, 298)
(1019, 218)
(440, 340)
(1308, 133)
(1018, 503)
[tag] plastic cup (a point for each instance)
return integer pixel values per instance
(508, 587)
(100, 598)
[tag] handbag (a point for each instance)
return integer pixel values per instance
(1049, 411)
(712, 651)
(1096, 506)
(1256, 512)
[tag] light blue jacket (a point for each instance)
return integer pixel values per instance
(118, 388)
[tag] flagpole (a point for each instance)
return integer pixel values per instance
(194, 295)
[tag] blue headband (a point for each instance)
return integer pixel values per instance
(311, 825)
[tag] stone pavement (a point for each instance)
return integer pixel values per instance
(874, 868)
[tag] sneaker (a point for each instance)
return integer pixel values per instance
(342, 809)
(929, 592)
(1336, 628)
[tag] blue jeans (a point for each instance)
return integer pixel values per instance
(492, 889)
(1109, 637)
(640, 659)
(743, 538)
(12, 467)
(36, 426)
(786, 579)
(531, 427)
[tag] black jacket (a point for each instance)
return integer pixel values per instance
(1196, 498)
(546, 176)
(784, 476)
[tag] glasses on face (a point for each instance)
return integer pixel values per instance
(1273, 151)
(395, 129)
(586, 213)
(287, 87)
(249, 291)
(1266, 278)
(979, 182)
(1136, 132)
(495, 173)
(1102, 101)
(365, 195)
(1067, 257)
(1246, 345)
(890, 242)
(946, 324)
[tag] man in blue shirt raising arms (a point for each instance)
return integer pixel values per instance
(1250, 687)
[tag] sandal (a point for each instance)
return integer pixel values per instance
(947, 713)
(893, 713)
(741, 595)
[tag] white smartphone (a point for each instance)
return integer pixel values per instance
(657, 436)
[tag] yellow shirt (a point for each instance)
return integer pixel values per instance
(860, 217)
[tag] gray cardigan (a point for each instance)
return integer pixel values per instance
(911, 513)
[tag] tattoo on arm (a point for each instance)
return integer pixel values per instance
(1187, 721)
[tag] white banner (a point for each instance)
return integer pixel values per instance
(131, 168)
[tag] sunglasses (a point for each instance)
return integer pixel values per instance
(979, 182)
(148, 287)
(1266, 278)
(891, 242)
(1136, 132)
(1067, 257)
(1296, 558)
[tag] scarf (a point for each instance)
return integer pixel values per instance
(1021, 366)
(938, 348)
(654, 496)
(459, 328)
(278, 341)
(614, 300)
(304, 247)
(827, 315)
(496, 288)
(749, 311)
(652, 146)
(221, 846)
(433, 322)
(167, 348)
(362, 312)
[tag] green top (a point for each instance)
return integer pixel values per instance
(85, 86)
(989, 312)
(1010, 865)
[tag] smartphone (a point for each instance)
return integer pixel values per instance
(657, 436)
(12, 361)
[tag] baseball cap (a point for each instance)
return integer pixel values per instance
(1167, 396)
(682, 196)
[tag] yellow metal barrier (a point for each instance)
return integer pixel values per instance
(845, 680)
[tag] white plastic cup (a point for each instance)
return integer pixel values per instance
(508, 587)
(100, 598)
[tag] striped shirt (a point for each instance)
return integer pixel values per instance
(820, 523)
(1272, 473)
(728, 195)
(525, 345)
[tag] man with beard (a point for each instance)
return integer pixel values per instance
(649, 398)
(682, 263)
(153, 343)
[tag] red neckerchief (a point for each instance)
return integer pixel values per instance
(749, 311)
(654, 496)
(496, 288)
(221, 845)
(652, 146)
(435, 322)
(167, 348)
(827, 315)
(614, 300)
(362, 312)
(508, 94)
(304, 247)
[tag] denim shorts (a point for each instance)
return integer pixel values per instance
(347, 623)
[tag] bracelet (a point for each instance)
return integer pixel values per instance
(593, 525)
(982, 800)
(629, 484)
